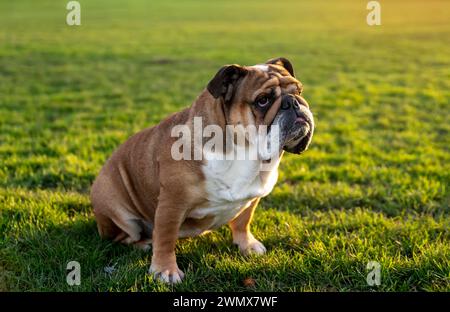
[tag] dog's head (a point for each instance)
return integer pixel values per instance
(266, 94)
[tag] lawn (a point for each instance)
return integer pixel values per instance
(374, 185)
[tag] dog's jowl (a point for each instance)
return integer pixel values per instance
(144, 195)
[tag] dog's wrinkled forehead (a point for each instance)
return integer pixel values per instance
(233, 82)
(264, 77)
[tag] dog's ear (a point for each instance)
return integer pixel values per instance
(281, 61)
(225, 81)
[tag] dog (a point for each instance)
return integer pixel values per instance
(143, 196)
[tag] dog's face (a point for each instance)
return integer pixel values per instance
(266, 94)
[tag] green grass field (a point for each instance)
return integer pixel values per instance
(374, 185)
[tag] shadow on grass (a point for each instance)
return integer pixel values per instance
(327, 197)
(55, 180)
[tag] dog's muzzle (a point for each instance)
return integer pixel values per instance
(296, 124)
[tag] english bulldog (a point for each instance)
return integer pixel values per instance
(144, 196)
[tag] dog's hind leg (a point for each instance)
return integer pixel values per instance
(135, 231)
(107, 229)
(146, 235)
(143, 244)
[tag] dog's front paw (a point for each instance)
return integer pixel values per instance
(255, 248)
(167, 274)
(249, 245)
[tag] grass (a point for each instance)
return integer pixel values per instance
(374, 185)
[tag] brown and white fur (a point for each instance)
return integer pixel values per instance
(143, 196)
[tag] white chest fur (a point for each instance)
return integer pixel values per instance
(232, 184)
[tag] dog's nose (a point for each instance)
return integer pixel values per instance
(288, 101)
(291, 102)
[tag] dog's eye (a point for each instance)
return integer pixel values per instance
(263, 101)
